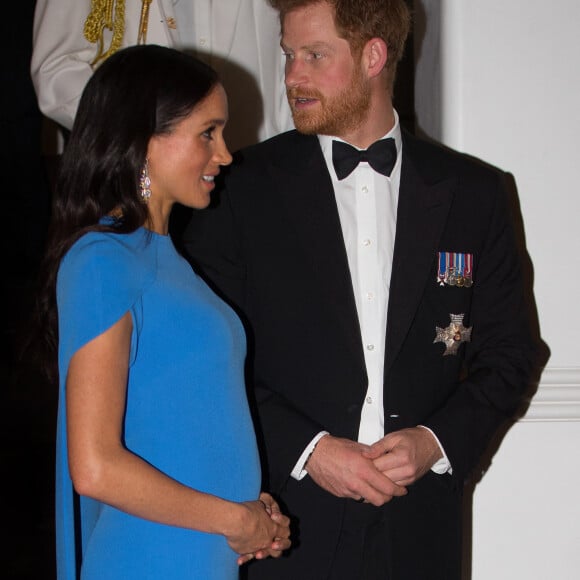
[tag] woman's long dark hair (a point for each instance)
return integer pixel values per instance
(138, 92)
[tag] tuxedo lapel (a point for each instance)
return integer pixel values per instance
(306, 190)
(421, 215)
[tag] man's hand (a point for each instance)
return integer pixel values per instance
(405, 456)
(338, 466)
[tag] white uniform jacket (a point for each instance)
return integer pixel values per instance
(241, 42)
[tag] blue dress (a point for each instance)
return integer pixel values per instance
(187, 412)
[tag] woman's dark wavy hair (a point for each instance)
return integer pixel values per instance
(138, 92)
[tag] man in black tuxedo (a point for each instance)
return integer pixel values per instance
(382, 292)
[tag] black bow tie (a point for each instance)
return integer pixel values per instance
(381, 156)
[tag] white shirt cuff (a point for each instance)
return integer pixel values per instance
(441, 466)
(299, 472)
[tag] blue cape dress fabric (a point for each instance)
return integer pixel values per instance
(186, 412)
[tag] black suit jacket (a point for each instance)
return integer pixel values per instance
(273, 247)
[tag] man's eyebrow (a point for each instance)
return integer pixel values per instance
(314, 46)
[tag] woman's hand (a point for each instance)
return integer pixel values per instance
(278, 527)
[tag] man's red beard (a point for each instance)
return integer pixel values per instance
(336, 115)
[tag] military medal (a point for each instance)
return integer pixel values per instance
(468, 282)
(442, 268)
(459, 261)
(455, 269)
(450, 278)
(453, 335)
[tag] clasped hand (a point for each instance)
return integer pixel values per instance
(264, 530)
(378, 472)
(405, 456)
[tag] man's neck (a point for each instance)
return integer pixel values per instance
(379, 121)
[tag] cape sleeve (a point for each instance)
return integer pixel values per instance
(100, 279)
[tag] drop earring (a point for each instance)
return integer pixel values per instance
(145, 182)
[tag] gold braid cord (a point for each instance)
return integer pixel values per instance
(101, 18)
(143, 21)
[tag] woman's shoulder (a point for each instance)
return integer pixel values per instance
(108, 259)
(110, 250)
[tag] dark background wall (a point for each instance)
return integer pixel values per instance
(29, 405)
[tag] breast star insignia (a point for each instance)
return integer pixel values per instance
(453, 335)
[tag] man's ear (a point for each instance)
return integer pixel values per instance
(375, 54)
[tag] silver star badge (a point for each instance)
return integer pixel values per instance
(453, 335)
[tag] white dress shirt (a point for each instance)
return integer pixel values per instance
(367, 207)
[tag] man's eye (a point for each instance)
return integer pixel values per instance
(315, 56)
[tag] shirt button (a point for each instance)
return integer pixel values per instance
(203, 41)
(370, 295)
(365, 189)
(369, 400)
(370, 347)
(366, 242)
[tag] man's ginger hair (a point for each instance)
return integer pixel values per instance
(357, 21)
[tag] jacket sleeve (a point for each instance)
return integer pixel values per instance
(503, 353)
(61, 56)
